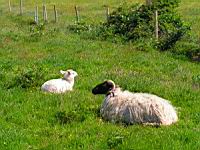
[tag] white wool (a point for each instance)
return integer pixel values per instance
(57, 86)
(61, 85)
(133, 108)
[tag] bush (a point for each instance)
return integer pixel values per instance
(187, 48)
(80, 27)
(28, 78)
(137, 22)
(36, 32)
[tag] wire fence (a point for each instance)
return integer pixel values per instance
(56, 12)
(44, 12)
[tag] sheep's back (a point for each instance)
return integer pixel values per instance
(56, 86)
(138, 108)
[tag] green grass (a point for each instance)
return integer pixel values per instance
(190, 12)
(31, 119)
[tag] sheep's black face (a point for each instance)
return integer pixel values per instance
(103, 88)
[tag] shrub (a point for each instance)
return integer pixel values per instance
(80, 27)
(191, 49)
(137, 22)
(37, 31)
(28, 78)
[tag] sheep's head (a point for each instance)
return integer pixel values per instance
(104, 88)
(69, 74)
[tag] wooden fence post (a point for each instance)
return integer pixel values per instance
(36, 15)
(156, 24)
(107, 13)
(55, 13)
(21, 7)
(77, 14)
(44, 13)
(9, 5)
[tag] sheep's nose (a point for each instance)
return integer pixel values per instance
(94, 91)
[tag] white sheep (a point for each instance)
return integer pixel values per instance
(61, 85)
(134, 108)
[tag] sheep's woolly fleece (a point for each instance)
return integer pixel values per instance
(136, 108)
(61, 85)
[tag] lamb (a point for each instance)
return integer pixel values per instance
(134, 108)
(61, 85)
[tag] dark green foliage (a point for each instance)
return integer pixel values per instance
(36, 31)
(78, 114)
(137, 22)
(28, 78)
(189, 48)
(196, 79)
(64, 118)
(80, 27)
(130, 22)
(166, 5)
(172, 29)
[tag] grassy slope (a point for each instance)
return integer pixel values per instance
(190, 12)
(28, 116)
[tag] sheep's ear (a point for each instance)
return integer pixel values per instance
(68, 72)
(62, 72)
(110, 84)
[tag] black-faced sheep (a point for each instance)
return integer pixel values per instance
(134, 108)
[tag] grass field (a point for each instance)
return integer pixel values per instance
(31, 119)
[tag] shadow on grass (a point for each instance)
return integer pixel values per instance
(79, 114)
(66, 118)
